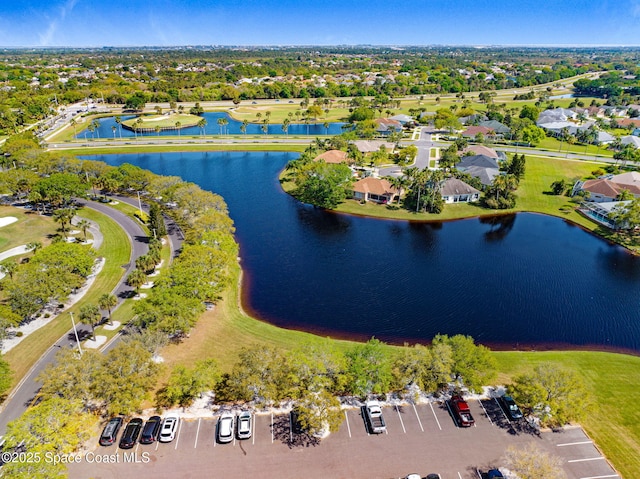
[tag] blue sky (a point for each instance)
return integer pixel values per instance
(322, 22)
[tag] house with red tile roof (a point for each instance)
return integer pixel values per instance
(472, 131)
(334, 157)
(374, 189)
(608, 189)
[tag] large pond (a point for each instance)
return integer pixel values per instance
(515, 281)
(108, 124)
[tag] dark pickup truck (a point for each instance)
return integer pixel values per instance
(461, 412)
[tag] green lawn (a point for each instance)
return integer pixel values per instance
(30, 227)
(163, 121)
(117, 251)
(613, 379)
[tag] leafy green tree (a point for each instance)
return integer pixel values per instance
(185, 384)
(137, 101)
(446, 119)
(319, 412)
(531, 462)
(72, 377)
(517, 166)
(471, 363)
(530, 112)
(54, 426)
(428, 368)
(559, 187)
(322, 184)
(627, 217)
(127, 376)
(64, 217)
(59, 188)
(368, 369)
(533, 135)
(554, 395)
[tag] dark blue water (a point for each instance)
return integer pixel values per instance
(105, 130)
(513, 281)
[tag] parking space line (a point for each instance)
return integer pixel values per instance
(401, 421)
(459, 475)
(588, 459)
(485, 412)
(157, 444)
(348, 427)
(195, 444)
(271, 428)
(419, 421)
(179, 431)
(290, 428)
(253, 430)
(600, 477)
(574, 443)
(434, 415)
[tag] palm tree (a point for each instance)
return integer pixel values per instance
(180, 108)
(243, 126)
(137, 126)
(158, 109)
(9, 268)
(84, 225)
(225, 122)
(73, 124)
(398, 182)
(178, 125)
(119, 122)
(64, 216)
(34, 246)
(89, 313)
(285, 126)
(157, 129)
(136, 279)
(201, 124)
(107, 301)
(92, 129)
(220, 123)
(113, 130)
(326, 127)
(96, 125)
(265, 126)
(267, 114)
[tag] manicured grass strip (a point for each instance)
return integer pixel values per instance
(107, 150)
(223, 331)
(116, 249)
(613, 380)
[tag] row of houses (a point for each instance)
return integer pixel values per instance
(379, 190)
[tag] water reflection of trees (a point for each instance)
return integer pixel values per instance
(424, 236)
(500, 226)
(323, 222)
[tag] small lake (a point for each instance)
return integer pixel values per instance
(105, 130)
(520, 281)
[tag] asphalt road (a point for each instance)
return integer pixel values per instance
(26, 391)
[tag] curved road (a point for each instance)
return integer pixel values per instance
(26, 391)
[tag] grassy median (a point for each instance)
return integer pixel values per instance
(116, 249)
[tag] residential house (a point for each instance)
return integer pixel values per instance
(386, 126)
(333, 156)
(482, 167)
(454, 190)
(626, 122)
(480, 150)
(472, 131)
(369, 146)
(556, 115)
(403, 119)
(631, 140)
(472, 119)
(606, 189)
(374, 189)
(496, 126)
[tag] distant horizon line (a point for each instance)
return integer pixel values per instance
(339, 45)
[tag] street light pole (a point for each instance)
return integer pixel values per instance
(139, 203)
(76, 333)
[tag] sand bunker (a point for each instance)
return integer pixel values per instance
(7, 220)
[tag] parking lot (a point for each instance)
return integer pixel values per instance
(422, 439)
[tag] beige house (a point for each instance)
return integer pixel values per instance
(374, 189)
(333, 156)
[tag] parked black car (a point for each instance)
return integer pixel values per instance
(510, 408)
(110, 431)
(131, 433)
(151, 430)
